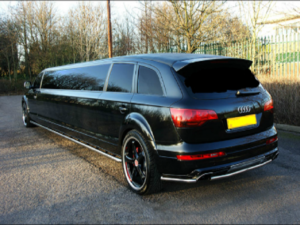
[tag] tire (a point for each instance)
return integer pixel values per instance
(25, 116)
(139, 162)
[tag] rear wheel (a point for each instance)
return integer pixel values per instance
(139, 164)
(25, 116)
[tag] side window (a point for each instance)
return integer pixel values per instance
(37, 81)
(49, 80)
(85, 78)
(148, 82)
(120, 79)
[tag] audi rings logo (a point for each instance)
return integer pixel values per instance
(244, 109)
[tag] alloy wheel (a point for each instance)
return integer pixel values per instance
(24, 114)
(134, 163)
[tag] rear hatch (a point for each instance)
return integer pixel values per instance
(228, 88)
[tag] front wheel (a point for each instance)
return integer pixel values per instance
(25, 116)
(140, 164)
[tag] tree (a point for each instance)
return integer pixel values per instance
(45, 25)
(89, 25)
(255, 14)
(191, 22)
(124, 37)
(23, 14)
(8, 45)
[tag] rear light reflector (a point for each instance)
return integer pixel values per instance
(271, 140)
(191, 117)
(269, 106)
(201, 156)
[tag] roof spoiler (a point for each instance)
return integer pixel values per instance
(228, 61)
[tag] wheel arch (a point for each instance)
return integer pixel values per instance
(138, 122)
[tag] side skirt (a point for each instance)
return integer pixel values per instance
(79, 142)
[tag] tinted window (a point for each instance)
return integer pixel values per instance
(37, 81)
(216, 83)
(86, 78)
(49, 80)
(148, 82)
(120, 79)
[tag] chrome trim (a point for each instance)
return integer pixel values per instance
(72, 93)
(247, 163)
(184, 180)
(178, 179)
(78, 142)
(214, 177)
(80, 65)
(42, 78)
(79, 132)
(107, 76)
(244, 109)
(240, 171)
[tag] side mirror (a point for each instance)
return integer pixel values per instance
(27, 84)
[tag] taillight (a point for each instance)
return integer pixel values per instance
(269, 106)
(201, 156)
(191, 117)
(271, 140)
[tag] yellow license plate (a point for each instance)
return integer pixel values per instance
(241, 121)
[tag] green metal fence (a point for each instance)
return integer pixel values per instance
(273, 55)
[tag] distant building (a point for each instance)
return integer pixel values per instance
(281, 25)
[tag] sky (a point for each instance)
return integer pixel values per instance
(118, 8)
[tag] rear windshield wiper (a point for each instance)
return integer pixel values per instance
(239, 93)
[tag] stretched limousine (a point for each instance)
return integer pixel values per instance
(165, 117)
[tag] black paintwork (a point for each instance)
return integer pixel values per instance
(96, 116)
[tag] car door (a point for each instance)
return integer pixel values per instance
(115, 102)
(33, 96)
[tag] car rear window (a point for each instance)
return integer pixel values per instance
(148, 82)
(218, 83)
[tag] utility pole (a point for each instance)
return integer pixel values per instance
(146, 27)
(109, 30)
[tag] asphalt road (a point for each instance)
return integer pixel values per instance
(47, 179)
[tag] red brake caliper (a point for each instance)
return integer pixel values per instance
(127, 169)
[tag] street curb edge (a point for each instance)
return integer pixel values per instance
(286, 127)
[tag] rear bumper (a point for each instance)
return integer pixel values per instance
(237, 150)
(227, 170)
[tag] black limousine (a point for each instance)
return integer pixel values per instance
(165, 117)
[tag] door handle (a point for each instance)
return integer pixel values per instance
(122, 109)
